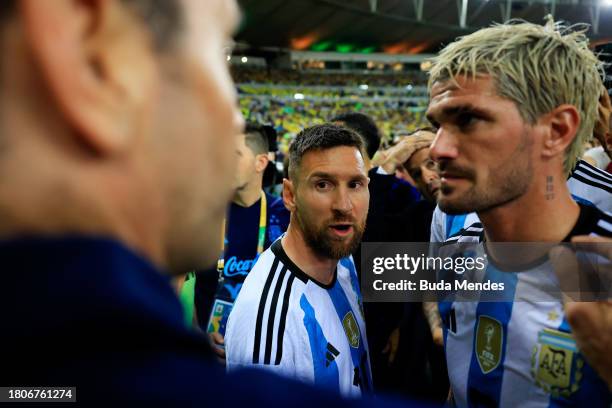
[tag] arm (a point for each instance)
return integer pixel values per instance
(430, 309)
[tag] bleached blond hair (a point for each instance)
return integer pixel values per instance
(537, 67)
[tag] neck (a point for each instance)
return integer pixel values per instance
(249, 194)
(546, 213)
(88, 214)
(317, 267)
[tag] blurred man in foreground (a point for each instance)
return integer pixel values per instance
(91, 95)
(106, 110)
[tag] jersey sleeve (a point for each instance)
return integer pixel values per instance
(438, 226)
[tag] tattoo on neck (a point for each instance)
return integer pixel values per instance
(550, 194)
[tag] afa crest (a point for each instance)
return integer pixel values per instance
(489, 342)
(556, 365)
(351, 329)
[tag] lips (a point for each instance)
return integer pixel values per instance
(445, 177)
(341, 229)
(449, 175)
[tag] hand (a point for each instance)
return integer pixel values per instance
(591, 322)
(401, 152)
(438, 336)
(392, 345)
(379, 158)
(217, 342)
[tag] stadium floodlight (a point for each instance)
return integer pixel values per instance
(364, 87)
(298, 96)
(244, 60)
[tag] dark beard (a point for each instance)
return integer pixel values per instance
(510, 186)
(320, 242)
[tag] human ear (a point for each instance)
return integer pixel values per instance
(289, 195)
(563, 123)
(261, 162)
(98, 64)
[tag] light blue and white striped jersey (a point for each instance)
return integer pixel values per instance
(587, 184)
(288, 323)
(520, 353)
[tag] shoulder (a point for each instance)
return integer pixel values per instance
(591, 179)
(592, 221)
(472, 233)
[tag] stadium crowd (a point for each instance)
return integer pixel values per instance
(290, 116)
(160, 250)
(310, 78)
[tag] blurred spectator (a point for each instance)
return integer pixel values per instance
(254, 221)
(420, 368)
(272, 178)
(388, 195)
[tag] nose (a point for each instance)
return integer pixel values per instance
(444, 146)
(429, 175)
(342, 201)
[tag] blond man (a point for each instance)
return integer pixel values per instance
(514, 104)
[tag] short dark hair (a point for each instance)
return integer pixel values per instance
(256, 138)
(320, 137)
(272, 138)
(365, 127)
(163, 17)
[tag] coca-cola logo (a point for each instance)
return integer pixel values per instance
(235, 267)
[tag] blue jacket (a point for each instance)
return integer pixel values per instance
(87, 312)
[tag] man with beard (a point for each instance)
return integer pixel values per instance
(586, 183)
(299, 310)
(511, 125)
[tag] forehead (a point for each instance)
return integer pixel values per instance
(461, 85)
(462, 89)
(419, 157)
(341, 161)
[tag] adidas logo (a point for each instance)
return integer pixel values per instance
(330, 354)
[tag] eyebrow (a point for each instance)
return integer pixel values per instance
(452, 111)
(323, 175)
